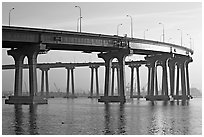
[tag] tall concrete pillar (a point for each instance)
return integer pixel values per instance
(18, 56)
(94, 67)
(164, 78)
(97, 83)
(68, 73)
(44, 70)
(118, 79)
(70, 69)
(132, 81)
(32, 62)
(149, 79)
(113, 75)
(171, 64)
(72, 77)
(42, 82)
(92, 73)
(138, 80)
(47, 82)
(177, 80)
(187, 76)
(108, 64)
(156, 82)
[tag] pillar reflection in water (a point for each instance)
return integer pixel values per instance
(110, 120)
(21, 123)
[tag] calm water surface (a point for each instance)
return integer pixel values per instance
(84, 116)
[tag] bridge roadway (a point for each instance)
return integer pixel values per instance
(31, 42)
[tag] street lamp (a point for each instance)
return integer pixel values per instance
(131, 26)
(144, 32)
(190, 39)
(163, 29)
(78, 24)
(118, 27)
(181, 35)
(79, 17)
(10, 16)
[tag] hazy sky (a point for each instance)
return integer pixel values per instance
(103, 18)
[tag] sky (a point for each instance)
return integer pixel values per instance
(103, 18)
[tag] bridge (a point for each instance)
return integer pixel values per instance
(32, 42)
(45, 67)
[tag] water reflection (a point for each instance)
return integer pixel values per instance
(18, 119)
(110, 119)
(21, 122)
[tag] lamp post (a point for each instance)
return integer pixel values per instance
(79, 17)
(78, 24)
(131, 26)
(10, 16)
(190, 40)
(163, 29)
(118, 28)
(144, 32)
(181, 35)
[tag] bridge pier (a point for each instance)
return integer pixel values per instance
(108, 57)
(133, 66)
(70, 69)
(19, 55)
(46, 80)
(155, 61)
(182, 70)
(92, 67)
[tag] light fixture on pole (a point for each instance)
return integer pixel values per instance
(118, 28)
(181, 35)
(163, 30)
(144, 32)
(78, 20)
(131, 26)
(10, 16)
(79, 17)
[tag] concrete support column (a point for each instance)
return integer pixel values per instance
(72, 77)
(42, 82)
(183, 82)
(97, 83)
(92, 67)
(149, 79)
(108, 64)
(92, 73)
(164, 78)
(32, 62)
(132, 81)
(156, 82)
(47, 83)
(118, 79)
(187, 76)
(68, 73)
(113, 75)
(70, 69)
(138, 80)
(172, 64)
(18, 56)
(44, 70)
(177, 80)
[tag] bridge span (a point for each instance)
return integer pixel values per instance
(32, 42)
